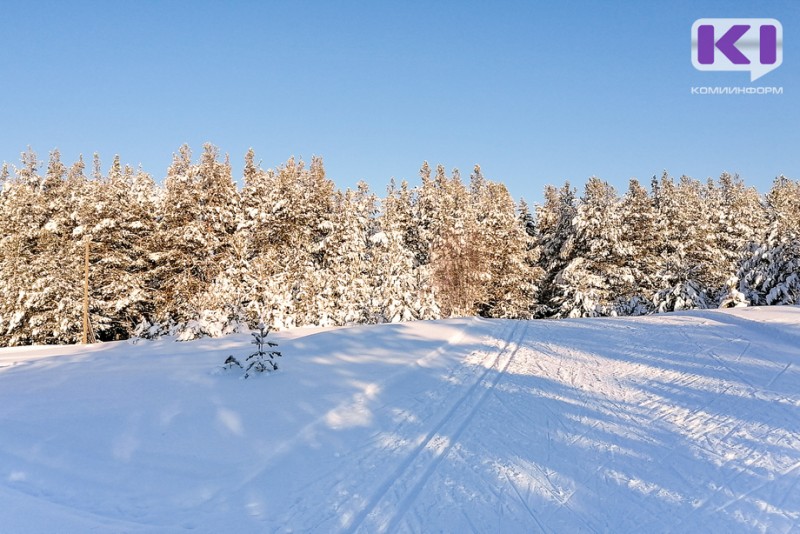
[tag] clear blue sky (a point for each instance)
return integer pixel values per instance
(536, 92)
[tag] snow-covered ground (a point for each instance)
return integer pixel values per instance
(686, 422)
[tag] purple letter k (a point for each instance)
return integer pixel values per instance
(726, 44)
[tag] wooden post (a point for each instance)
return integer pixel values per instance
(86, 295)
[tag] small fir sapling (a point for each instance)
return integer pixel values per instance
(263, 359)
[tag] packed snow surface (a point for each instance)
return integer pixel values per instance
(683, 422)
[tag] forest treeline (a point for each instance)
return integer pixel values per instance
(200, 256)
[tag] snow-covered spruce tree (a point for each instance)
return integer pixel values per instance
(770, 273)
(42, 259)
(506, 285)
(198, 216)
(288, 218)
(21, 216)
(738, 223)
(60, 213)
(338, 288)
(263, 359)
(266, 289)
(425, 215)
(686, 279)
(533, 253)
(594, 274)
(642, 239)
(60, 262)
(556, 239)
(223, 305)
(401, 286)
(731, 297)
(349, 266)
(741, 220)
(310, 216)
(458, 264)
(783, 208)
(117, 217)
(179, 246)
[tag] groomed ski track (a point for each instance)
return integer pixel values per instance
(686, 422)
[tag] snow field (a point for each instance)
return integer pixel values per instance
(670, 423)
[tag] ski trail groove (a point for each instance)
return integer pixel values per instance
(308, 429)
(525, 504)
(777, 376)
(412, 474)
